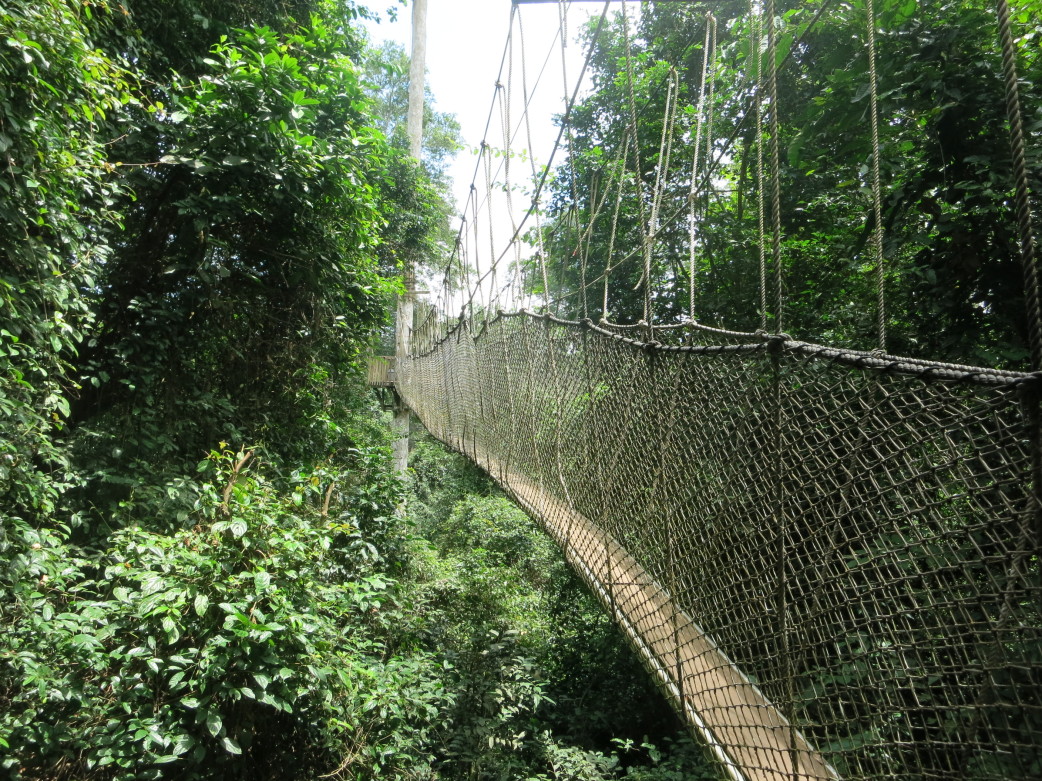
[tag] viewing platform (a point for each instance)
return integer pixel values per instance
(381, 371)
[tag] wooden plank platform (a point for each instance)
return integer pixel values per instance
(381, 371)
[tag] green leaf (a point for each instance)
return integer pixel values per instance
(230, 745)
(202, 602)
(213, 723)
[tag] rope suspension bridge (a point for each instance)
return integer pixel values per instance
(828, 557)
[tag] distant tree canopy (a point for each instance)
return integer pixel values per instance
(419, 231)
(953, 279)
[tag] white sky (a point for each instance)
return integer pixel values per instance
(465, 45)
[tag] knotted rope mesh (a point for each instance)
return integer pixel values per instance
(829, 559)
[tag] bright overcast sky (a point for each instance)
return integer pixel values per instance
(465, 45)
(465, 48)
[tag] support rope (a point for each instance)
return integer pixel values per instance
(761, 234)
(877, 196)
(772, 89)
(1020, 175)
(693, 191)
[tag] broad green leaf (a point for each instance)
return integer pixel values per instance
(213, 723)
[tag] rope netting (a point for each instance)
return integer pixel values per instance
(829, 559)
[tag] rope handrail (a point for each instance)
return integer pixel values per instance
(906, 489)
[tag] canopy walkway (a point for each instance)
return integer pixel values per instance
(828, 558)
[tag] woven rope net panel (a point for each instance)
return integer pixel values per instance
(829, 560)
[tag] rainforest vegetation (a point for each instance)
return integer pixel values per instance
(207, 566)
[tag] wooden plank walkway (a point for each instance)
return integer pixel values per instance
(748, 734)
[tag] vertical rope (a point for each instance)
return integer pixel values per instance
(877, 197)
(772, 88)
(639, 181)
(1022, 192)
(712, 90)
(493, 292)
(562, 15)
(760, 206)
(615, 223)
(598, 195)
(1028, 260)
(508, 154)
(693, 191)
(780, 517)
(473, 292)
(540, 249)
(661, 177)
(585, 251)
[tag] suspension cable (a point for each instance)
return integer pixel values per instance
(772, 87)
(1022, 194)
(761, 236)
(693, 191)
(877, 197)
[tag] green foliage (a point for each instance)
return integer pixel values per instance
(225, 650)
(954, 284)
(190, 255)
(55, 197)
(386, 70)
(418, 230)
(197, 215)
(236, 304)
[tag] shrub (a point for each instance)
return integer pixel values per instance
(221, 651)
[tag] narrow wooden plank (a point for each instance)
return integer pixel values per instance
(748, 733)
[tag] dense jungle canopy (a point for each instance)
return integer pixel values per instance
(207, 567)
